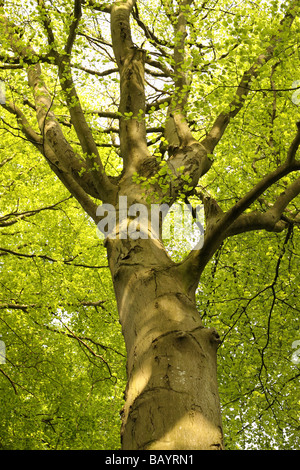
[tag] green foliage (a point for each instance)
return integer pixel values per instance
(249, 294)
(63, 381)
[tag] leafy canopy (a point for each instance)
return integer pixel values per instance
(62, 384)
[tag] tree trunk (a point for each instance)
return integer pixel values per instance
(171, 399)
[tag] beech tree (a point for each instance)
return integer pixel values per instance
(160, 102)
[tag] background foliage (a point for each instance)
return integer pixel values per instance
(62, 384)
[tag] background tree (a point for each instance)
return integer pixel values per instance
(158, 102)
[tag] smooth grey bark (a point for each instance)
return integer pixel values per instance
(172, 397)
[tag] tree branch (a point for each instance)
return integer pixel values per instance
(74, 25)
(73, 165)
(69, 262)
(10, 380)
(59, 152)
(294, 146)
(131, 64)
(106, 190)
(14, 217)
(104, 7)
(46, 22)
(222, 121)
(178, 132)
(220, 225)
(24, 126)
(95, 72)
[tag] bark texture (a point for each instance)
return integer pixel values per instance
(172, 397)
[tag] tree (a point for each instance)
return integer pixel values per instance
(212, 84)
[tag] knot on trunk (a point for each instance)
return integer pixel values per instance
(214, 337)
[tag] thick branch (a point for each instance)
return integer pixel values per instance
(24, 126)
(294, 146)
(131, 64)
(272, 220)
(77, 169)
(283, 200)
(59, 152)
(178, 132)
(218, 230)
(106, 190)
(221, 225)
